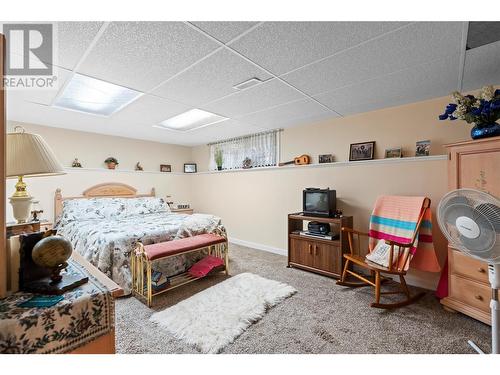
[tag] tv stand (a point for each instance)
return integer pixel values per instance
(317, 254)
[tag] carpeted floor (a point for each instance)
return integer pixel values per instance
(321, 318)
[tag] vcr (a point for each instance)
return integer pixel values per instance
(319, 228)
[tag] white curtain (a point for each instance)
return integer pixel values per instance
(261, 149)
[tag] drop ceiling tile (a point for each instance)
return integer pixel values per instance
(419, 83)
(52, 116)
(482, 66)
(414, 45)
(224, 31)
(41, 96)
(210, 79)
(253, 99)
(150, 110)
(73, 40)
(291, 114)
(140, 55)
(283, 46)
(224, 130)
(481, 33)
(59, 118)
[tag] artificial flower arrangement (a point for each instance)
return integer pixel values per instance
(483, 111)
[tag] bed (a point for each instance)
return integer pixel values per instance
(106, 222)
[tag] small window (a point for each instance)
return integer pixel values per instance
(252, 151)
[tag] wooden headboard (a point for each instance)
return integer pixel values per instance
(106, 190)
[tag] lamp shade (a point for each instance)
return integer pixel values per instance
(29, 155)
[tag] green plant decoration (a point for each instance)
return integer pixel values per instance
(218, 158)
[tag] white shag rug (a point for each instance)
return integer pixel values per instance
(215, 317)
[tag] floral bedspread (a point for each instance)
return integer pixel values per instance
(108, 243)
(84, 314)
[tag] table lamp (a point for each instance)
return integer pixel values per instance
(28, 155)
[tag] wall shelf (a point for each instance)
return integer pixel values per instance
(336, 164)
(71, 169)
(286, 167)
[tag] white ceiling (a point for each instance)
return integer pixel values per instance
(311, 71)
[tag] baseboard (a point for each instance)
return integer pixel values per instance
(428, 283)
(258, 246)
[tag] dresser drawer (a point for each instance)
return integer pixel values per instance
(470, 292)
(464, 265)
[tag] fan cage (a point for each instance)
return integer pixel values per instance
(484, 210)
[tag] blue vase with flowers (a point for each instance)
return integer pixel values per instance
(483, 112)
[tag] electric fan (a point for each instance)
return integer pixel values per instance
(470, 220)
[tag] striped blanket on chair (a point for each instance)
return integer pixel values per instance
(395, 218)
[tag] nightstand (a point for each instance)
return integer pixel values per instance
(185, 211)
(14, 229)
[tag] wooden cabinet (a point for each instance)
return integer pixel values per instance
(475, 165)
(316, 254)
(14, 229)
(301, 252)
(326, 258)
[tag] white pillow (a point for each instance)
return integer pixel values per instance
(145, 205)
(92, 209)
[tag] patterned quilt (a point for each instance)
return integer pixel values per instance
(84, 314)
(108, 242)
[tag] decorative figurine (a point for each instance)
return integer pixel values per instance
(247, 163)
(111, 162)
(138, 166)
(36, 211)
(76, 164)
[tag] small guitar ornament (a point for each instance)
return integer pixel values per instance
(299, 160)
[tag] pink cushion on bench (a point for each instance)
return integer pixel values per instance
(205, 265)
(163, 249)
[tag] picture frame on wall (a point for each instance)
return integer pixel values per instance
(325, 158)
(362, 151)
(395, 152)
(190, 168)
(165, 168)
(423, 148)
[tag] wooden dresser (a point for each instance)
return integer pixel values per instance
(475, 165)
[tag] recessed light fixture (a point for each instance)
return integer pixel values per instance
(191, 120)
(248, 83)
(91, 95)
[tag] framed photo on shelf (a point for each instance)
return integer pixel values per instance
(190, 168)
(423, 148)
(362, 151)
(325, 158)
(165, 168)
(395, 152)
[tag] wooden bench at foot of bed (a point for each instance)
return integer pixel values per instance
(144, 256)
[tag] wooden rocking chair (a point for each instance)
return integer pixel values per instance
(397, 268)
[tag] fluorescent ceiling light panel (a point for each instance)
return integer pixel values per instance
(191, 120)
(91, 95)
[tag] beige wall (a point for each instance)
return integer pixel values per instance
(400, 126)
(391, 127)
(254, 204)
(91, 149)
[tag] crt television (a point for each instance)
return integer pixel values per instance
(319, 202)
